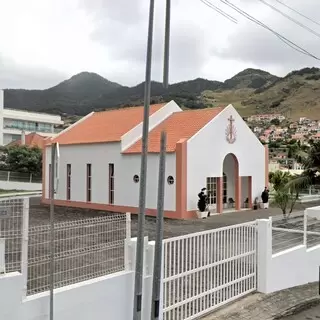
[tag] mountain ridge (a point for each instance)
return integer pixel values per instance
(87, 91)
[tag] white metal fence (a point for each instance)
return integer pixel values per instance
(297, 229)
(19, 177)
(203, 271)
(12, 212)
(83, 249)
(312, 190)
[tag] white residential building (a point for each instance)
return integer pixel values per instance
(100, 156)
(14, 122)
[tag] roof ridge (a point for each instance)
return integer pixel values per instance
(203, 109)
(179, 125)
(126, 108)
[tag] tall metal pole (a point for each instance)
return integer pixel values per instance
(157, 264)
(137, 303)
(51, 278)
(167, 45)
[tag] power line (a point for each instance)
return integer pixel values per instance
(297, 12)
(281, 37)
(290, 18)
(226, 15)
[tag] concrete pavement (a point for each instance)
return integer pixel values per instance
(260, 306)
(312, 313)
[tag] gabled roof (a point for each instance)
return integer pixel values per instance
(180, 125)
(106, 126)
(32, 140)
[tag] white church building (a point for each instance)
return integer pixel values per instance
(99, 162)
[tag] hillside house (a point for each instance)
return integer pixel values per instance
(100, 157)
(31, 140)
(265, 117)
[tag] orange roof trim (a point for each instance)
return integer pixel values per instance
(105, 126)
(180, 125)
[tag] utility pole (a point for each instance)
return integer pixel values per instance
(137, 303)
(52, 191)
(167, 45)
(157, 262)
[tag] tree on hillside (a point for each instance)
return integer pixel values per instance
(310, 160)
(21, 159)
(276, 122)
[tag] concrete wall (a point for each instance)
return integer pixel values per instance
(286, 269)
(126, 166)
(208, 149)
(313, 212)
(108, 297)
(16, 185)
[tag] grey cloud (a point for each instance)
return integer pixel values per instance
(128, 41)
(253, 44)
(124, 11)
(13, 75)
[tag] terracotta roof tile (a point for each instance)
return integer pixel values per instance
(106, 126)
(32, 139)
(180, 125)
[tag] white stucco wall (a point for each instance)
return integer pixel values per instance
(313, 212)
(207, 149)
(155, 119)
(107, 297)
(125, 166)
(293, 267)
(289, 268)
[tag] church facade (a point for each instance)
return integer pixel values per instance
(99, 161)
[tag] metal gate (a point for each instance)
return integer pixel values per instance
(205, 270)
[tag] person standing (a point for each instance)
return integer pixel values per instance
(202, 202)
(265, 198)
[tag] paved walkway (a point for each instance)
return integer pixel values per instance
(39, 214)
(311, 314)
(266, 307)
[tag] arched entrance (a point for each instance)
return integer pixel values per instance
(229, 185)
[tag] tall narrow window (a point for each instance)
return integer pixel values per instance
(212, 190)
(225, 188)
(49, 188)
(88, 182)
(111, 183)
(68, 181)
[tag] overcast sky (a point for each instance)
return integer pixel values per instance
(43, 42)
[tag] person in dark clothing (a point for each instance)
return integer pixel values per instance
(202, 202)
(265, 198)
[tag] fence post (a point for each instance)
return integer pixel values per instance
(264, 253)
(8, 176)
(2, 255)
(30, 177)
(128, 242)
(24, 247)
(305, 226)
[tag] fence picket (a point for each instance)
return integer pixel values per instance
(222, 268)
